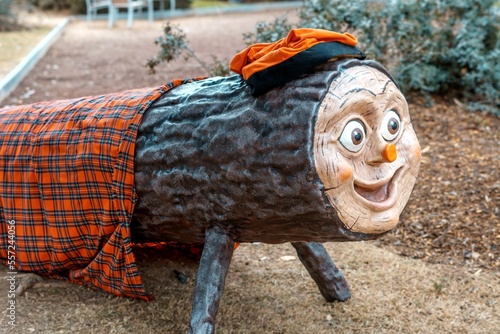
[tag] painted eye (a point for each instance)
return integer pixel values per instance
(353, 136)
(390, 126)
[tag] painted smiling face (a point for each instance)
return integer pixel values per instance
(366, 152)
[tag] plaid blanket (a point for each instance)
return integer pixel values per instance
(67, 188)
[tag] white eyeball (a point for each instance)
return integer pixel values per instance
(390, 126)
(353, 136)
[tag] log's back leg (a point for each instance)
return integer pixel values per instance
(210, 280)
(330, 281)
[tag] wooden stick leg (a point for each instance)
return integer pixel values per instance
(210, 279)
(328, 278)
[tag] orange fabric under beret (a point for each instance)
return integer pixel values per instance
(279, 57)
(257, 57)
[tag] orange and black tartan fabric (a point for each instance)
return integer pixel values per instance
(67, 184)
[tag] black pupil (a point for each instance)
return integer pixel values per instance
(357, 136)
(393, 125)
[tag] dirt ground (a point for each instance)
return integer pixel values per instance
(447, 280)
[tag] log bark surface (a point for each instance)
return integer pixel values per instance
(209, 153)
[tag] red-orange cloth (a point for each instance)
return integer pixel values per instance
(67, 187)
(260, 56)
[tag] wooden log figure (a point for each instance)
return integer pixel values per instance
(309, 143)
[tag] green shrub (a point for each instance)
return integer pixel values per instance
(266, 32)
(447, 47)
(431, 46)
(181, 4)
(7, 17)
(6, 7)
(173, 43)
(74, 6)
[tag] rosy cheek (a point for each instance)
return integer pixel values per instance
(418, 152)
(343, 172)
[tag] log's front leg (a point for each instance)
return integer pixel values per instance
(210, 279)
(330, 281)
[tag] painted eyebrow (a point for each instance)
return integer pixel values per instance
(344, 107)
(357, 90)
(386, 85)
(360, 89)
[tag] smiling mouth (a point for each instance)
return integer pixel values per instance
(379, 195)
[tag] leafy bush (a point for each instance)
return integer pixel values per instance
(431, 46)
(266, 32)
(5, 7)
(7, 17)
(173, 43)
(447, 47)
(180, 4)
(75, 6)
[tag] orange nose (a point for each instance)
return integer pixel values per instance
(389, 153)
